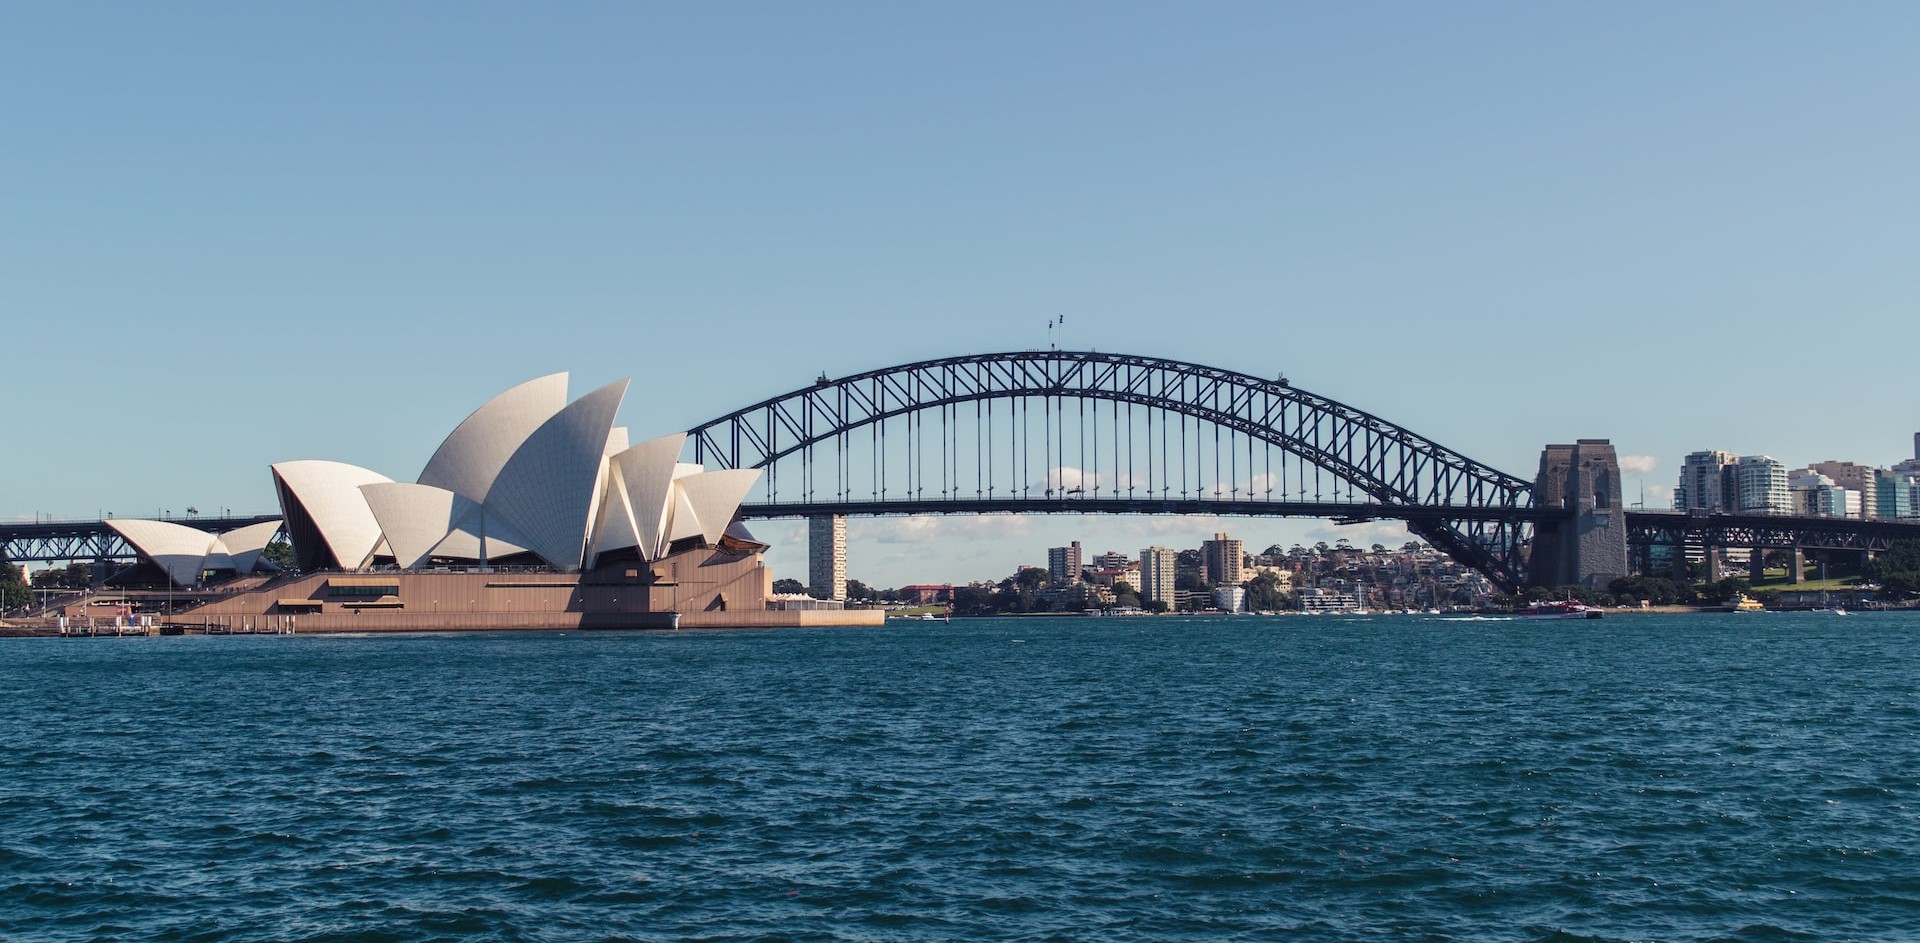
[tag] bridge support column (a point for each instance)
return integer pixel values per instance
(827, 555)
(1589, 547)
(1714, 574)
(1796, 566)
(1757, 565)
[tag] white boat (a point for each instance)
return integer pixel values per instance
(1559, 610)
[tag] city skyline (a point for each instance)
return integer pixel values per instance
(241, 236)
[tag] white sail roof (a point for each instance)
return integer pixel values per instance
(464, 541)
(546, 489)
(471, 458)
(415, 518)
(647, 470)
(330, 494)
(613, 526)
(176, 548)
(684, 523)
(247, 544)
(715, 496)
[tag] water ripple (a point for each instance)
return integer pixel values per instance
(1642, 778)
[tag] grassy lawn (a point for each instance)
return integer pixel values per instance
(1806, 586)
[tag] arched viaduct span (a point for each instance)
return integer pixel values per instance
(1084, 432)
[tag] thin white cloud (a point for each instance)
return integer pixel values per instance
(1390, 533)
(1638, 464)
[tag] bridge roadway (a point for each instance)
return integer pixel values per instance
(1645, 528)
(86, 540)
(1340, 511)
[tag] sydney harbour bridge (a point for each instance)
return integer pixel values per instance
(1080, 432)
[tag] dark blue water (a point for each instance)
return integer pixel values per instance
(1748, 777)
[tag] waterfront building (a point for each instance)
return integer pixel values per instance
(827, 557)
(1063, 565)
(1158, 569)
(1230, 598)
(1222, 560)
(924, 593)
(1896, 495)
(534, 512)
(1327, 600)
(1705, 482)
(1088, 596)
(1816, 495)
(1761, 486)
(1282, 575)
(1853, 476)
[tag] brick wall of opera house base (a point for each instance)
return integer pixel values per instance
(706, 588)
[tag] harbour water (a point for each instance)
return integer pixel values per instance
(1737, 777)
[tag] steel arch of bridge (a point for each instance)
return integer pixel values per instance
(1480, 515)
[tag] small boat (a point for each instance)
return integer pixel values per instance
(1560, 610)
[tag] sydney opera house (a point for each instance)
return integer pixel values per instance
(534, 513)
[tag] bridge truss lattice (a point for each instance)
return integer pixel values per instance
(1083, 432)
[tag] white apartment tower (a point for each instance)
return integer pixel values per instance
(1704, 480)
(1761, 481)
(1157, 565)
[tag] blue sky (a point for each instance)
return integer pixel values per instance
(233, 234)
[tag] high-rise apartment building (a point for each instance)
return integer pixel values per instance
(1761, 486)
(1221, 560)
(1896, 495)
(1111, 560)
(1854, 476)
(1815, 495)
(1705, 482)
(1063, 565)
(827, 555)
(1158, 570)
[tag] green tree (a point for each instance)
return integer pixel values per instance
(1726, 590)
(789, 586)
(1657, 590)
(1263, 593)
(1897, 570)
(13, 587)
(973, 601)
(279, 552)
(1156, 605)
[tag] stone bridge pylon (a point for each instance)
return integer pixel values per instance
(1588, 547)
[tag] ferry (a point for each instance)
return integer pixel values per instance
(1560, 610)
